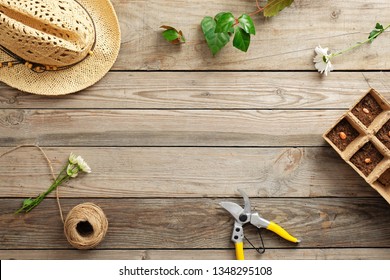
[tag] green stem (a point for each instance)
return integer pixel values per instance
(55, 185)
(39, 199)
(358, 44)
(62, 176)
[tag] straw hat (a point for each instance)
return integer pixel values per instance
(56, 47)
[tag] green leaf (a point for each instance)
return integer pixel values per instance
(170, 35)
(27, 202)
(224, 22)
(215, 41)
(247, 24)
(376, 32)
(273, 7)
(379, 26)
(217, 16)
(373, 35)
(241, 39)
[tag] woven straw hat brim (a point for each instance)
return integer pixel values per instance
(81, 75)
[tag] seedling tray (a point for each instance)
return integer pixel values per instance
(361, 136)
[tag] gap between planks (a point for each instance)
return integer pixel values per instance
(206, 254)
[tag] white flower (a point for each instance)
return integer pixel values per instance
(73, 158)
(322, 60)
(72, 170)
(83, 165)
(76, 163)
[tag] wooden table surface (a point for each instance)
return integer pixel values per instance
(171, 131)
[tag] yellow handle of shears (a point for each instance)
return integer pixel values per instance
(272, 227)
(239, 250)
(281, 232)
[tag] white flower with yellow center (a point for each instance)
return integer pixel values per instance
(322, 60)
(83, 165)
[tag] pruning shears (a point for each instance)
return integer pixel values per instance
(243, 216)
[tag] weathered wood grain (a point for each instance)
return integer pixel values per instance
(165, 127)
(203, 224)
(285, 42)
(218, 254)
(212, 90)
(186, 172)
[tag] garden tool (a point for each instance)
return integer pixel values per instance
(243, 216)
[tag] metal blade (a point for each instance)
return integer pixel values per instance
(247, 207)
(233, 208)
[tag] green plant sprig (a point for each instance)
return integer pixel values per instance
(172, 35)
(323, 59)
(71, 169)
(30, 203)
(218, 30)
(378, 30)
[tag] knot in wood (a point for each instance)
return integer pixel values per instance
(335, 14)
(12, 118)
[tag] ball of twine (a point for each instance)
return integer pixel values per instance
(85, 226)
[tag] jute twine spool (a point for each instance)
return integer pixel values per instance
(85, 226)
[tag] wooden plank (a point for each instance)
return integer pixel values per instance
(212, 90)
(270, 254)
(203, 224)
(285, 42)
(186, 172)
(165, 127)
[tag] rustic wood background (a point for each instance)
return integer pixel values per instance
(171, 131)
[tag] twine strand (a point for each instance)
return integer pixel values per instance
(50, 166)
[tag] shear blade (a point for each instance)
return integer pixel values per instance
(233, 208)
(247, 203)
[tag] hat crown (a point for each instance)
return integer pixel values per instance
(58, 33)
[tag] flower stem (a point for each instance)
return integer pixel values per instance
(55, 185)
(358, 44)
(36, 201)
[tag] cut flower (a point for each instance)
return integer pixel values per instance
(72, 158)
(76, 164)
(71, 170)
(322, 60)
(83, 165)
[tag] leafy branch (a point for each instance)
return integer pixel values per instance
(323, 59)
(172, 35)
(378, 30)
(218, 30)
